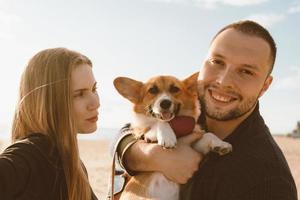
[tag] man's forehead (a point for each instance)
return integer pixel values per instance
(236, 45)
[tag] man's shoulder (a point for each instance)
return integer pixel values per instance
(257, 160)
(261, 149)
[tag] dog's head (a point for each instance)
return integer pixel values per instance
(161, 97)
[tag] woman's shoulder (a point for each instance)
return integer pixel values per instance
(34, 147)
(32, 143)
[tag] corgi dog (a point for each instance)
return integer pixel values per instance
(164, 109)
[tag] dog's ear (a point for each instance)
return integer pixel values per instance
(200, 88)
(191, 83)
(129, 88)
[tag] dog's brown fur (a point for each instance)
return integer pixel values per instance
(138, 93)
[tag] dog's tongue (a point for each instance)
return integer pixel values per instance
(166, 115)
(182, 125)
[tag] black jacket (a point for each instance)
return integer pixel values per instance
(255, 170)
(32, 170)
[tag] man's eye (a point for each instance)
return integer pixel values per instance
(247, 72)
(153, 90)
(174, 89)
(216, 62)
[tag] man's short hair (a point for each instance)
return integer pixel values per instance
(254, 29)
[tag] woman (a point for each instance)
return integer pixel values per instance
(58, 99)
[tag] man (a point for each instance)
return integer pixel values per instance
(235, 74)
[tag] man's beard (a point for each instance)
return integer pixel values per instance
(234, 113)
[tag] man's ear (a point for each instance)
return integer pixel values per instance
(266, 85)
(191, 82)
(129, 88)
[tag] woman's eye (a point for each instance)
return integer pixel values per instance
(174, 89)
(95, 89)
(79, 94)
(153, 90)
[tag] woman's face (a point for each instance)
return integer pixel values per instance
(85, 98)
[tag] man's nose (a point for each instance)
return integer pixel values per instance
(225, 78)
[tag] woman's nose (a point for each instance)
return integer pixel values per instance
(94, 102)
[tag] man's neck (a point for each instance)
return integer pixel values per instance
(222, 129)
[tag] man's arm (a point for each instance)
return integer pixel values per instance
(276, 188)
(178, 164)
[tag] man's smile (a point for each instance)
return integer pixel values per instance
(221, 98)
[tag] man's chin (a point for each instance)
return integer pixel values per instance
(229, 115)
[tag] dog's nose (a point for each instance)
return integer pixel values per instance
(165, 104)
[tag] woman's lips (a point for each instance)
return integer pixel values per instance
(93, 119)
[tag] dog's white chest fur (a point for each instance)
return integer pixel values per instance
(161, 188)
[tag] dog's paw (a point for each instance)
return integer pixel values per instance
(149, 139)
(220, 147)
(165, 135)
(168, 141)
(166, 138)
(150, 136)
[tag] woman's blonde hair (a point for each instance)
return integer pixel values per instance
(45, 106)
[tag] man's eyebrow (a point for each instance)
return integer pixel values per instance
(250, 66)
(254, 67)
(218, 55)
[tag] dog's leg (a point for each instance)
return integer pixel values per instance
(210, 142)
(165, 135)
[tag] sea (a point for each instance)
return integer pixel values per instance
(100, 134)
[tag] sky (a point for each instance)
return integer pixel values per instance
(145, 38)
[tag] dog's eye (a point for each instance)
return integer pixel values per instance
(174, 89)
(153, 90)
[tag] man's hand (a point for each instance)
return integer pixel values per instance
(177, 164)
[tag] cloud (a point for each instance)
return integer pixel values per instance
(7, 23)
(267, 20)
(295, 8)
(215, 3)
(291, 82)
(235, 2)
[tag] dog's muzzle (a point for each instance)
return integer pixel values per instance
(166, 111)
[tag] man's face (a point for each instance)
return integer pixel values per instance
(235, 74)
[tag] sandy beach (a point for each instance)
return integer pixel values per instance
(95, 155)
